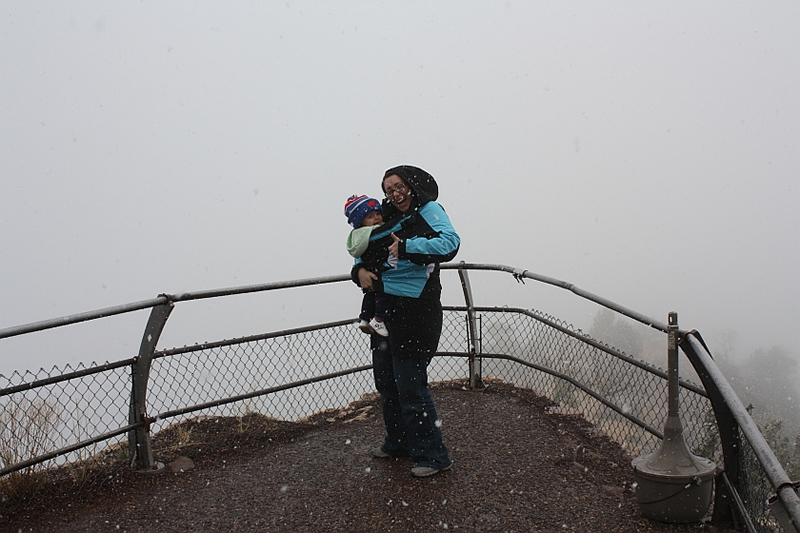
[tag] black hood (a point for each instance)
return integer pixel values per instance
(422, 184)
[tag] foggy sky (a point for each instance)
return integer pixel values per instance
(644, 151)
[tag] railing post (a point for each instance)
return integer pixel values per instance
(673, 407)
(140, 447)
(475, 370)
(729, 437)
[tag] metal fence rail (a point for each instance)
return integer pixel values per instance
(75, 419)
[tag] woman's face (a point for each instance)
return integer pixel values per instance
(398, 192)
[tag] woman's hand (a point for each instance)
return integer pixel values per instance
(394, 248)
(365, 278)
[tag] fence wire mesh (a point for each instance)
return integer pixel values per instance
(198, 376)
(295, 374)
(756, 489)
(59, 414)
(555, 346)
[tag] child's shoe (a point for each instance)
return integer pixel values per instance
(379, 328)
(364, 326)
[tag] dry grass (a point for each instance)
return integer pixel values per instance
(27, 429)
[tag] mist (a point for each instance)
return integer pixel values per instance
(646, 152)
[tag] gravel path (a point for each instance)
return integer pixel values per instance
(515, 470)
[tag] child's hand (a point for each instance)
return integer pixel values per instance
(394, 248)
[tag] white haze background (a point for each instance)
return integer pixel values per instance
(644, 151)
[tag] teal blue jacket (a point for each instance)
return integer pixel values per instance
(427, 238)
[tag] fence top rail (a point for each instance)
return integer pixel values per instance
(518, 273)
(521, 274)
(160, 300)
(81, 317)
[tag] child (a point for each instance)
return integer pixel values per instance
(365, 215)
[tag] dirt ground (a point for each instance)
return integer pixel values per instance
(517, 469)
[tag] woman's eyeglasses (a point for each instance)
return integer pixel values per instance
(402, 189)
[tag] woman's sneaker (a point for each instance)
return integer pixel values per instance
(378, 453)
(364, 326)
(427, 471)
(379, 328)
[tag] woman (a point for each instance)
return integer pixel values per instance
(420, 236)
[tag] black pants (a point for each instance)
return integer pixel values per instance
(400, 368)
(376, 303)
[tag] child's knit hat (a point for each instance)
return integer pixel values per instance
(357, 207)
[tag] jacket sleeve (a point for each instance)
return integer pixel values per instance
(357, 265)
(439, 242)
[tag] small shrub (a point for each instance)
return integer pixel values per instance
(27, 430)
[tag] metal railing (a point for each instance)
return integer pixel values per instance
(81, 419)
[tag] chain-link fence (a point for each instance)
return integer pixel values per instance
(77, 423)
(623, 397)
(287, 376)
(61, 424)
